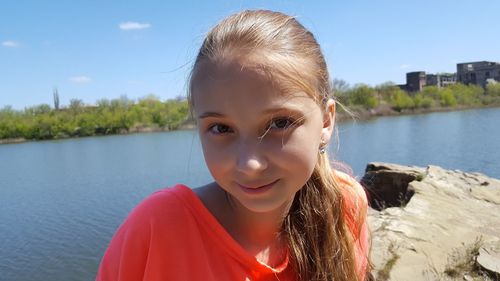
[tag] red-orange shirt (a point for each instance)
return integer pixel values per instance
(172, 236)
(355, 206)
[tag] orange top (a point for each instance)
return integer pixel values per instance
(356, 208)
(172, 236)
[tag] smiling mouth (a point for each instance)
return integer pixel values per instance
(259, 189)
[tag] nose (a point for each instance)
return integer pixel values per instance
(251, 157)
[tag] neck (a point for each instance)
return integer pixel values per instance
(256, 228)
(258, 233)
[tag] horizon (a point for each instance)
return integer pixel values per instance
(93, 50)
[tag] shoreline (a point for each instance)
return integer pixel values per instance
(358, 114)
(387, 111)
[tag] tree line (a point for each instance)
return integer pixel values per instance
(367, 97)
(124, 115)
(107, 117)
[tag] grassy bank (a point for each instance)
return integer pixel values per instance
(388, 99)
(107, 117)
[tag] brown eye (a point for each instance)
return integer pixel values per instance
(219, 129)
(281, 123)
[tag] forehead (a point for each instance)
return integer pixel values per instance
(229, 84)
(231, 73)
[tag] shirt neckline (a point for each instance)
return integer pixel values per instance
(222, 236)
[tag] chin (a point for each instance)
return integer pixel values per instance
(264, 205)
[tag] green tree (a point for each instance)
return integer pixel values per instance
(6, 111)
(387, 90)
(43, 127)
(35, 110)
(431, 92)
(493, 89)
(76, 106)
(422, 101)
(446, 98)
(400, 100)
(109, 117)
(86, 124)
(103, 104)
(177, 113)
(467, 94)
(149, 101)
(363, 95)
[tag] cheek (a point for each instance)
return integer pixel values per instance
(216, 156)
(300, 152)
(305, 140)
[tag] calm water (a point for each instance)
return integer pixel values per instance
(61, 201)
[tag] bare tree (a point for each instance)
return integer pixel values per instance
(340, 86)
(56, 99)
(76, 105)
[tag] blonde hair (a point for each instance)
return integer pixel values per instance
(315, 228)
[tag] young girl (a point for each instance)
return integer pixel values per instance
(260, 92)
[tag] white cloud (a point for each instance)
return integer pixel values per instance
(133, 25)
(80, 79)
(10, 44)
(404, 66)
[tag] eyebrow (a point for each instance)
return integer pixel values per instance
(210, 114)
(265, 112)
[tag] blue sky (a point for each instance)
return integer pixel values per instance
(104, 49)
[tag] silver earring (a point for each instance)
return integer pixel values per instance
(322, 148)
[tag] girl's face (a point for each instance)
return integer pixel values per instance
(260, 145)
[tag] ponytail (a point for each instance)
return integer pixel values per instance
(320, 244)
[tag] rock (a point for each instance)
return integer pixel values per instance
(489, 259)
(447, 216)
(387, 184)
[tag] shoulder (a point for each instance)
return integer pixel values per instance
(163, 205)
(355, 203)
(160, 212)
(135, 243)
(170, 196)
(351, 189)
(355, 210)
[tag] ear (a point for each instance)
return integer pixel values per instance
(328, 121)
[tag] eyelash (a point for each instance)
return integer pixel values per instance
(290, 123)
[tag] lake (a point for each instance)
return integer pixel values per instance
(61, 201)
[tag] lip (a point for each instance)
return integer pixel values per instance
(259, 189)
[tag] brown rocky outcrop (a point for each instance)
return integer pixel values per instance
(432, 224)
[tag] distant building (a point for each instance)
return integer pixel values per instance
(440, 80)
(446, 79)
(415, 81)
(478, 72)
